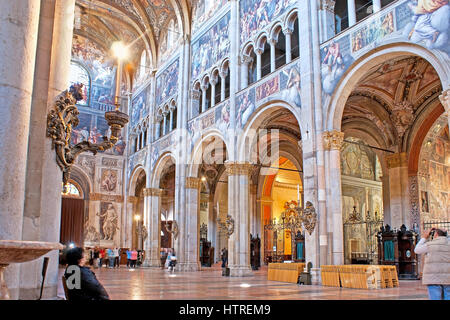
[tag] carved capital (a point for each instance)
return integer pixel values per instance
(238, 169)
(245, 59)
(445, 99)
(149, 192)
(195, 94)
(258, 51)
(332, 140)
(397, 160)
(193, 183)
(133, 199)
(327, 5)
(288, 31)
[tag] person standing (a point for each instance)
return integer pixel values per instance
(102, 256)
(436, 271)
(133, 258)
(116, 257)
(110, 253)
(96, 257)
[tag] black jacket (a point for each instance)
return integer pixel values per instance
(90, 287)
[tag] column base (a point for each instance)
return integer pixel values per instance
(152, 263)
(241, 271)
(188, 266)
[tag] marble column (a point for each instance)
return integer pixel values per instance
(171, 108)
(376, 5)
(351, 10)
(153, 224)
(332, 144)
(204, 87)
(398, 190)
(158, 127)
(18, 37)
(165, 113)
(288, 35)
(445, 100)
(258, 63)
(245, 62)
(272, 44)
(195, 103)
(238, 209)
(192, 226)
(223, 85)
(42, 211)
(213, 83)
(254, 222)
(327, 20)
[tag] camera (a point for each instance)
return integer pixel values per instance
(432, 233)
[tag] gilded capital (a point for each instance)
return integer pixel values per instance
(397, 160)
(133, 199)
(155, 192)
(333, 140)
(193, 183)
(238, 169)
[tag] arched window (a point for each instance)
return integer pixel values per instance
(79, 74)
(71, 190)
(143, 64)
(265, 60)
(171, 34)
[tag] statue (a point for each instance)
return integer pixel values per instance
(109, 222)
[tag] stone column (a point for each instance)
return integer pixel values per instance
(204, 87)
(398, 189)
(245, 61)
(445, 100)
(213, 83)
(223, 84)
(258, 63)
(153, 224)
(288, 35)
(376, 5)
(351, 10)
(238, 209)
(171, 108)
(131, 204)
(192, 225)
(42, 211)
(18, 37)
(164, 122)
(158, 119)
(272, 44)
(195, 103)
(327, 23)
(332, 145)
(254, 225)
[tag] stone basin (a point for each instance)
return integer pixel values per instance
(16, 251)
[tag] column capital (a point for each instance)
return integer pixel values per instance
(238, 168)
(193, 183)
(288, 31)
(397, 160)
(258, 51)
(195, 94)
(204, 87)
(148, 192)
(327, 5)
(332, 140)
(213, 81)
(445, 99)
(245, 59)
(133, 199)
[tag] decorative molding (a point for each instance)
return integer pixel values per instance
(402, 115)
(445, 99)
(155, 192)
(397, 160)
(332, 140)
(414, 199)
(193, 183)
(106, 197)
(133, 199)
(238, 169)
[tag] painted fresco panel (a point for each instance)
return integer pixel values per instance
(108, 180)
(139, 107)
(257, 14)
(245, 106)
(211, 47)
(167, 82)
(203, 10)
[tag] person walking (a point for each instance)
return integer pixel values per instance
(101, 255)
(110, 253)
(96, 257)
(128, 258)
(116, 257)
(436, 271)
(133, 258)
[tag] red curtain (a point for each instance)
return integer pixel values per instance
(72, 221)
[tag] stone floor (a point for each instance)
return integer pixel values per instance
(156, 284)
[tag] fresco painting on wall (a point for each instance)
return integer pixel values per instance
(81, 132)
(268, 88)
(108, 219)
(139, 107)
(211, 47)
(290, 85)
(108, 180)
(256, 14)
(370, 33)
(167, 83)
(245, 106)
(203, 10)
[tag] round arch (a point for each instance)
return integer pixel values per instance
(335, 103)
(133, 179)
(165, 159)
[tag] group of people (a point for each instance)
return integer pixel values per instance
(111, 257)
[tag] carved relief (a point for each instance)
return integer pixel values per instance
(402, 115)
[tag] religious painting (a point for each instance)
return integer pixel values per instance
(139, 108)
(203, 10)
(335, 59)
(108, 219)
(268, 88)
(167, 83)
(257, 14)
(223, 117)
(424, 201)
(245, 106)
(425, 22)
(290, 85)
(373, 31)
(439, 150)
(168, 43)
(81, 132)
(211, 47)
(108, 181)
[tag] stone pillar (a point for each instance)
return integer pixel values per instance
(158, 127)
(351, 10)
(153, 224)
(254, 223)
(445, 100)
(171, 108)
(195, 103)
(332, 145)
(258, 63)
(164, 122)
(238, 209)
(223, 84)
(19, 22)
(192, 225)
(288, 34)
(376, 5)
(245, 61)
(272, 44)
(213, 83)
(42, 211)
(204, 87)
(327, 23)
(398, 189)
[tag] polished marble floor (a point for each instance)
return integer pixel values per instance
(156, 284)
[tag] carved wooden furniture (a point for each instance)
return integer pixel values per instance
(255, 252)
(285, 272)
